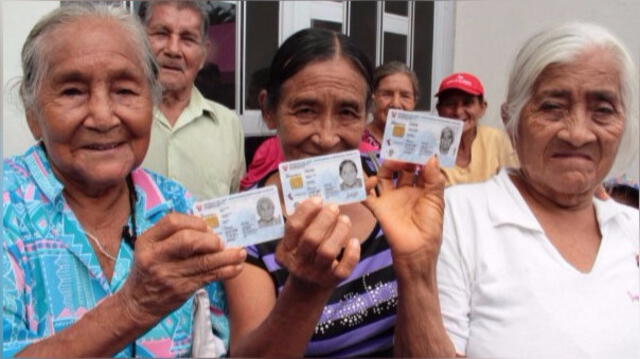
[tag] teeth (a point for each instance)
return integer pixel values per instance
(103, 147)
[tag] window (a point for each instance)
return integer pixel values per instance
(246, 34)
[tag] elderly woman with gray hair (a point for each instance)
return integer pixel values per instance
(100, 257)
(532, 265)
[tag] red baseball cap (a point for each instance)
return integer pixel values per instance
(461, 81)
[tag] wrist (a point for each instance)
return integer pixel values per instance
(132, 313)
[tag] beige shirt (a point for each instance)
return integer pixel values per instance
(204, 150)
(490, 150)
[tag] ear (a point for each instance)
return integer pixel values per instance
(267, 112)
(504, 114)
(34, 125)
(484, 108)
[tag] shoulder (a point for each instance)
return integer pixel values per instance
(626, 218)
(156, 187)
(491, 133)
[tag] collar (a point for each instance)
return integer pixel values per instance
(40, 169)
(198, 107)
(502, 211)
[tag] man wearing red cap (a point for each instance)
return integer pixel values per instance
(483, 150)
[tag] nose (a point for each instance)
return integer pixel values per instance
(101, 116)
(458, 110)
(577, 130)
(395, 101)
(172, 47)
(325, 137)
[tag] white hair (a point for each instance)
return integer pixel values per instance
(34, 57)
(562, 44)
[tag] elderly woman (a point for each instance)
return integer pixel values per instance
(342, 279)
(99, 257)
(395, 85)
(483, 150)
(532, 265)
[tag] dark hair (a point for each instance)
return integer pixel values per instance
(347, 162)
(396, 67)
(311, 45)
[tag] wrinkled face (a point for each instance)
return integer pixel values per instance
(393, 91)
(177, 44)
(321, 110)
(570, 130)
(94, 104)
(265, 209)
(349, 173)
(461, 106)
(446, 140)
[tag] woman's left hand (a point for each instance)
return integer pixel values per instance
(410, 210)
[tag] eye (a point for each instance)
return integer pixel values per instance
(71, 91)
(549, 106)
(125, 91)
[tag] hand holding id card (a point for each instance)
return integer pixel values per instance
(337, 178)
(245, 218)
(415, 136)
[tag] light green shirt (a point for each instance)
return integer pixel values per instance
(204, 150)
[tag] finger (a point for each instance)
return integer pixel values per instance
(298, 222)
(370, 183)
(601, 193)
(203, 264)
(350, 259)
(317, 231)
(223, 273)
(172, 223)
(330, 248)
(188, 243)
(431, 177)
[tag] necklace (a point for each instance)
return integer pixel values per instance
(99, 245)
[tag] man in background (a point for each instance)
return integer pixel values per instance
(195, 141)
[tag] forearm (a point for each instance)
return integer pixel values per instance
(292, 321)
(101, 332)
(419, 329)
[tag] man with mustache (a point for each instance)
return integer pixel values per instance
(195, 141)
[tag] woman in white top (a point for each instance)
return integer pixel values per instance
(532, 265)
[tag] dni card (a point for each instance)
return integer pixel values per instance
(245, 218)
(337, 178)
(416, 136)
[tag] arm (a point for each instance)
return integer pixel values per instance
(411, 216)
(173, 259)
(260, 322)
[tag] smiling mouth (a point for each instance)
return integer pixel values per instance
(172, 68)
(103, 146)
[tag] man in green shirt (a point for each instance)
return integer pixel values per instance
(195, 141)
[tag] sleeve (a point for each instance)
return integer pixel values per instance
(454, 284)
(18, 331)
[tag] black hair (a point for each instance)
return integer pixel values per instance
(311, 45)
(347, 162)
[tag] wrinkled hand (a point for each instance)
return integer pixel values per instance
(173, 259)
(314, 237)
(410, 213)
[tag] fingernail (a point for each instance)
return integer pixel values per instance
(334, 208)
(344, 219)
(316, 199)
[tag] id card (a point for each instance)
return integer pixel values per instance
(337, 178)
(245, 218)
(415, 136)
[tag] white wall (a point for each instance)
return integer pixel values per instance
(18, 16)
(488, 34)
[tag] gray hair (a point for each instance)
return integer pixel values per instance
(33, 57)
(394, 67)
(560, 45)
(198, 6)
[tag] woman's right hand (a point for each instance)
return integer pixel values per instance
(315, 235)
(173, 259)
